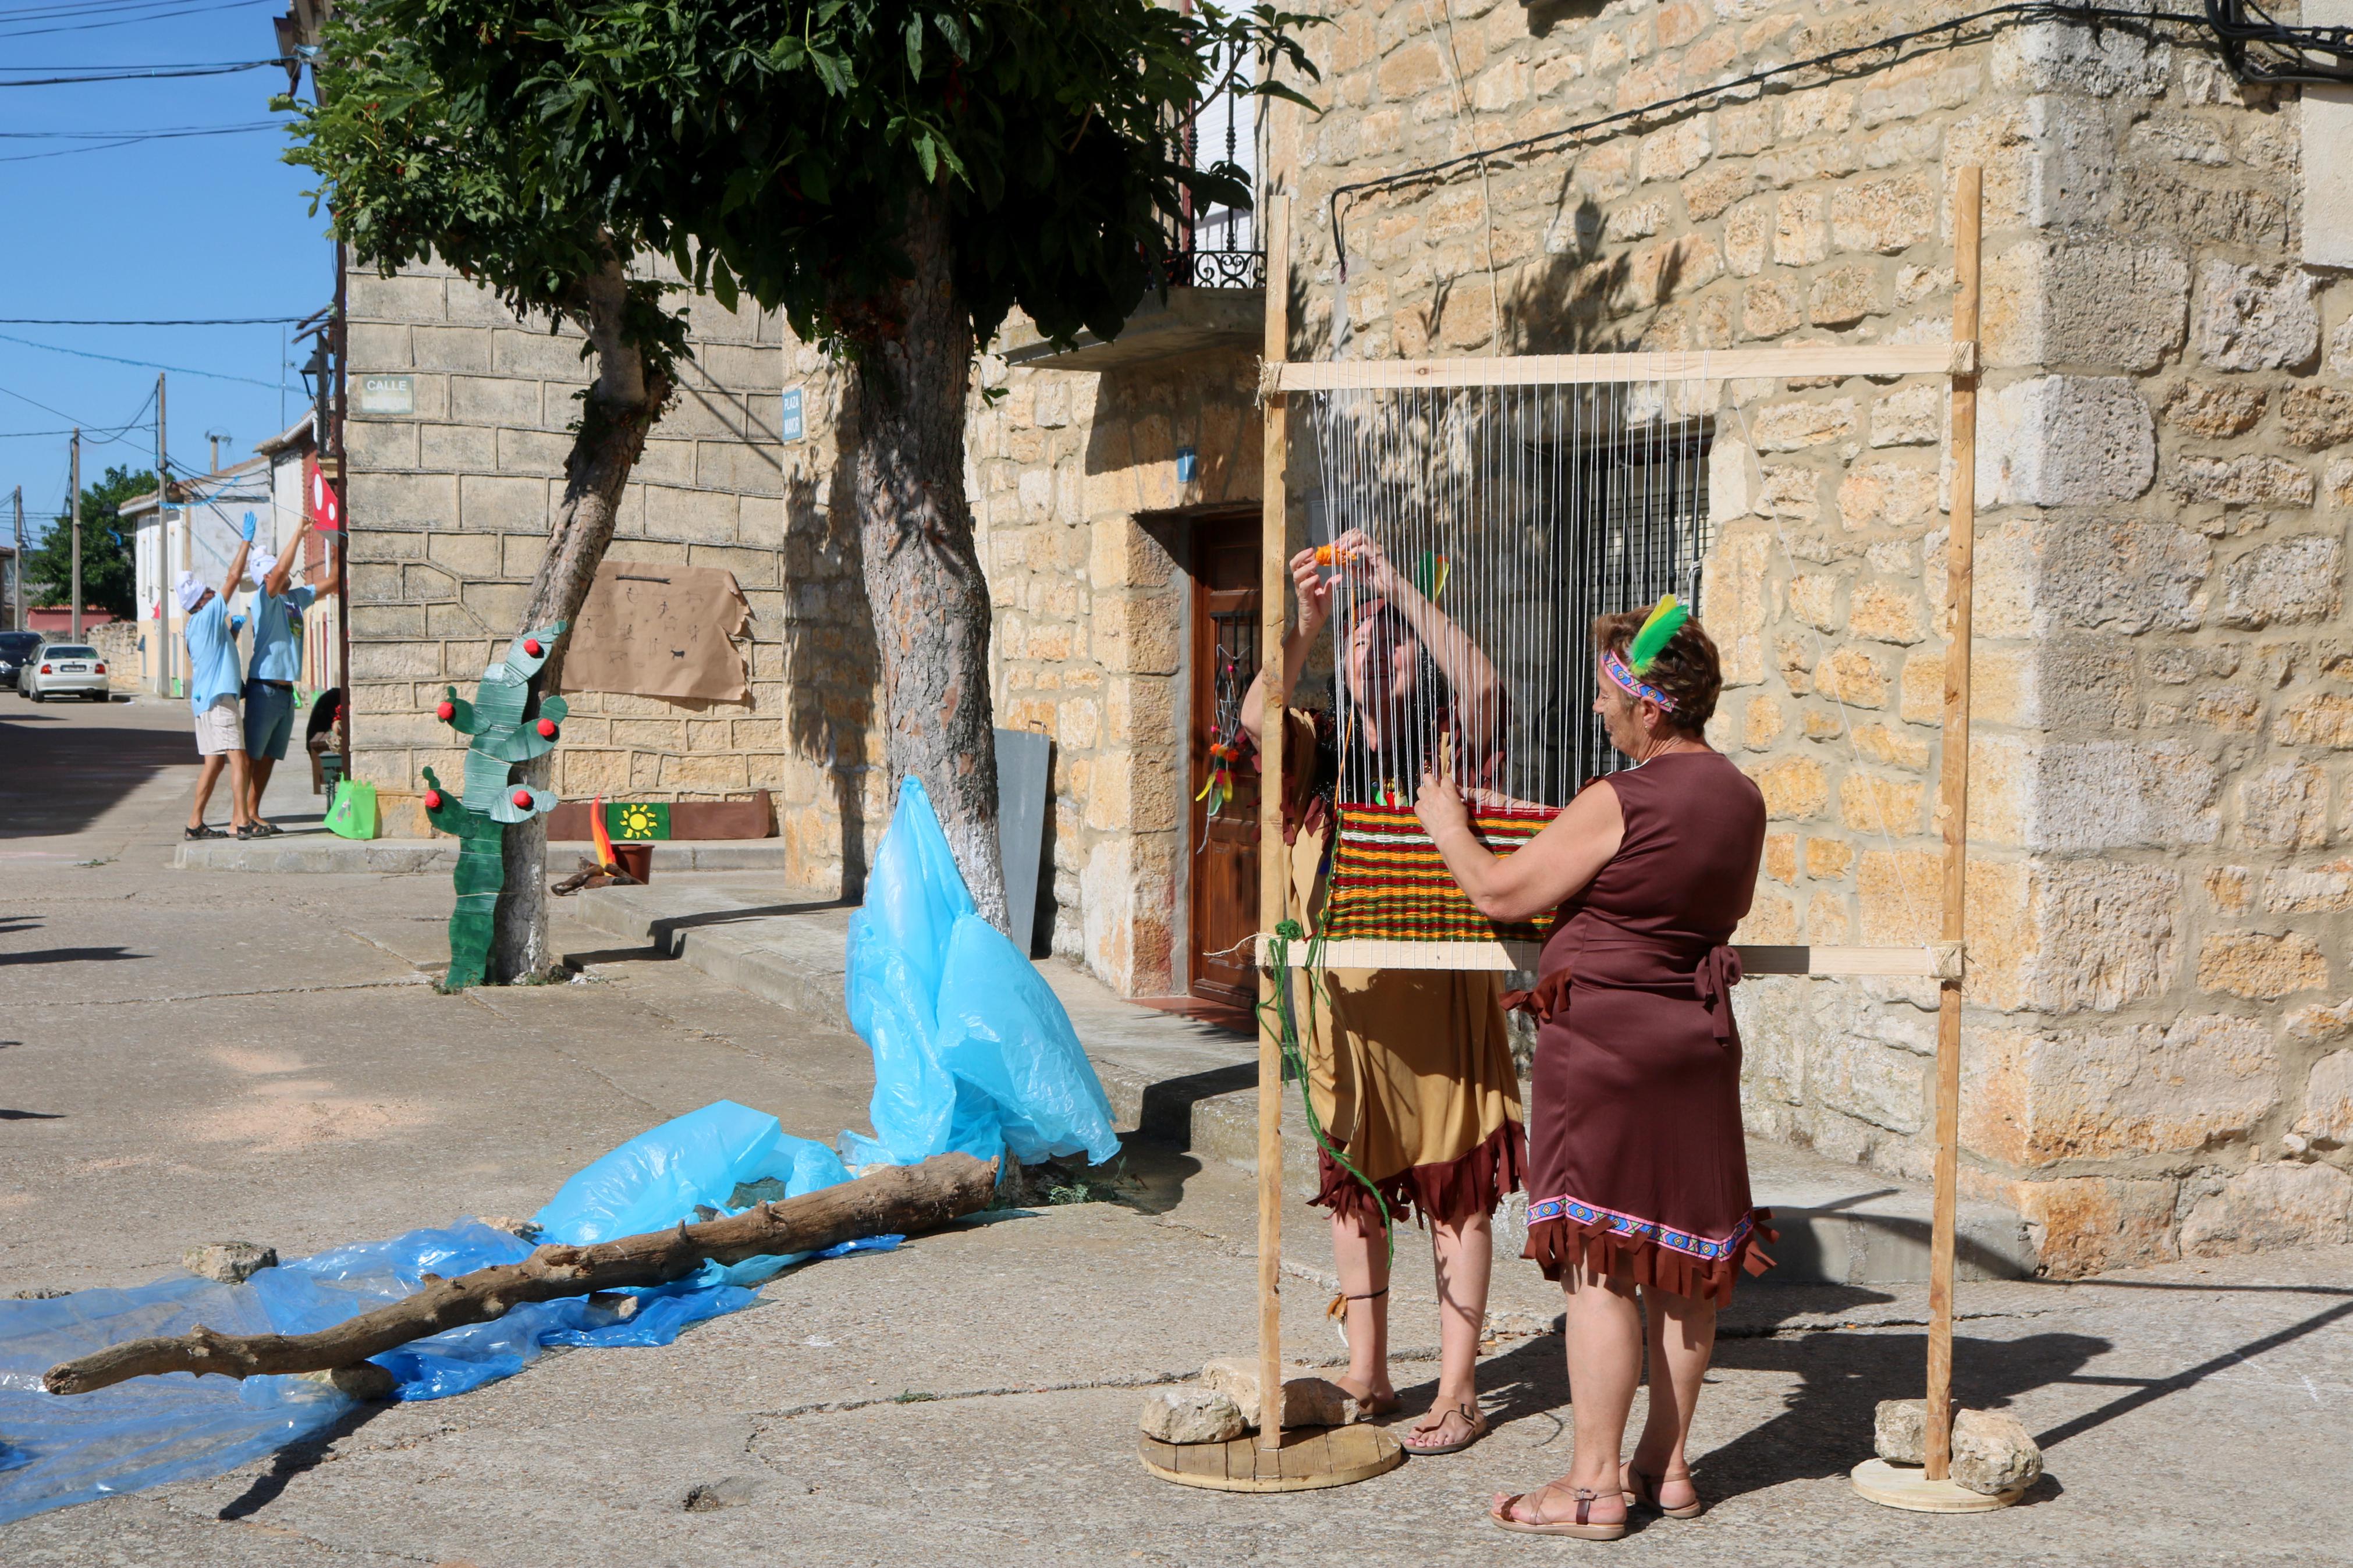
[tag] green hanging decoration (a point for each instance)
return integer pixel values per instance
(502, 739)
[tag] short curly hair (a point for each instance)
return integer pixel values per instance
(1687, 669)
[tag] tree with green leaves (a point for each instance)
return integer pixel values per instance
(110, 572)
(895, 175)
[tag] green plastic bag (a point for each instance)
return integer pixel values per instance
(352, 813)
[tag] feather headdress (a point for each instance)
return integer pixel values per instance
(1665, 620)
(1659, 629)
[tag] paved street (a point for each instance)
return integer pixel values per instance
(192, 1056)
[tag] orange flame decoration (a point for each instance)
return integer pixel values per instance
(604, 839)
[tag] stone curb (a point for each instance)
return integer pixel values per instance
(323, 852)
(1195, 1089)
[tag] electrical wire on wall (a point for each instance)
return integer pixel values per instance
(1855, 59)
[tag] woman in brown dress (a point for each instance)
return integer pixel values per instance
(1638, 1173)
(1411, 1073)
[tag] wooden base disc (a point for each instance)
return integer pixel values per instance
(1908, 1487)
(1309, 1457)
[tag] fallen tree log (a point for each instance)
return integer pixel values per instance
(903, 1199)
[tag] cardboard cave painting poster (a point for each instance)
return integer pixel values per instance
(655, 629)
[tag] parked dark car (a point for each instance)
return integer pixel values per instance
(14, 648)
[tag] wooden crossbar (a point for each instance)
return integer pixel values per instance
(1799, 361)
(1934, 961)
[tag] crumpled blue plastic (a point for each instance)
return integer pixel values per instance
(150, 1430)
(972, 1051)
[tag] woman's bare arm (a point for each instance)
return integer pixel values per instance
(1470, 676)
(1314, 609)
(1546, 869)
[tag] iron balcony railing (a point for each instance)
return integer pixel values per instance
(1218, 247)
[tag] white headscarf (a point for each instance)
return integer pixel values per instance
(190, 591)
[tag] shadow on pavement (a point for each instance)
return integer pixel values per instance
(295, 1460)
(73, 955)
(1825, 1425)
(62, 779)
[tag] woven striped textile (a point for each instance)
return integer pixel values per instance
(1388, 882)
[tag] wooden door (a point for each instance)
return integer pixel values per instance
(1223, 845)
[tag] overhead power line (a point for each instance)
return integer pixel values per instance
(151, 131)
(156, 11)
(101, 142)
(113, 322)
(142, 363)
(134, 73)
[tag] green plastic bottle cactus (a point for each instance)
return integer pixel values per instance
(491, 799)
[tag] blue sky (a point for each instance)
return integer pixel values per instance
(196, 227)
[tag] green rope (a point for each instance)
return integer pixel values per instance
(1277, 1013)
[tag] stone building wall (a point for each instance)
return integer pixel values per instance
(2156, 1041)
(452, 507)
(1083, 525)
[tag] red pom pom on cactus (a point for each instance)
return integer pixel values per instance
(523, 800)
(432, 800)
(547, 729)
(531, 647)
(445, 712)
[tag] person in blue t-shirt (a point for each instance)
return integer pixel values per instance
(214, 682)
(276, 664)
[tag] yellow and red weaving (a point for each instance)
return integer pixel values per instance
(1388, 882)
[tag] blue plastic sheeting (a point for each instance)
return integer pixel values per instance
(55, 1451)
(972, 1049)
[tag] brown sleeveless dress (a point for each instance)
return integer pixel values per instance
(1637, 1163)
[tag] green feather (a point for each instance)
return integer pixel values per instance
(1666, 621)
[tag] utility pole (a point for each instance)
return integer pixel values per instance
(20, 558)
(163, 660)
(77, 533)
(216, 441)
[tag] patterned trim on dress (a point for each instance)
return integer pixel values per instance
(1626, 1224)
(1615, 669)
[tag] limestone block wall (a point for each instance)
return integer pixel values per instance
(2158, 1030)
(1083, 524)
(450, 510)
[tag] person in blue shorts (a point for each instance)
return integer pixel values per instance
(276, 664)
(214, 682)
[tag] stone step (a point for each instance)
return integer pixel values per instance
(1193, 1085)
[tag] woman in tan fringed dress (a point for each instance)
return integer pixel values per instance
(1411, 1073)
(1637, 1172)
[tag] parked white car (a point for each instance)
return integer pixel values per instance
(64, 670)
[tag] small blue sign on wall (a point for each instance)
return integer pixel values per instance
(788, 422)
(1185, 465)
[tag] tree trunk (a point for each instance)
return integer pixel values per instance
(903, 1200)
(924, 577)
(622, 404)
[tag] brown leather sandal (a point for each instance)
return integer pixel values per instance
(1641, 1490)
(1436, 1422)
(1581, 1527)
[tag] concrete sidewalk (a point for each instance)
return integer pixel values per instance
(1193, 1085)
(192, 1056)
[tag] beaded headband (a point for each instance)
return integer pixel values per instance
(1633, 685)
(1665, 619)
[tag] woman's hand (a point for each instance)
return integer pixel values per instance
(1315, 591)
(1439, 806)
(1356, 553)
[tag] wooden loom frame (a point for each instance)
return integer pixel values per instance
(1941, 961)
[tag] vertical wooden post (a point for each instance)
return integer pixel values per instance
(1273, 865)
(1953, 814)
